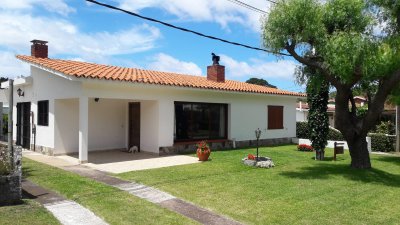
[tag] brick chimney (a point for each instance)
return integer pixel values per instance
(39, 49)
(216, 72)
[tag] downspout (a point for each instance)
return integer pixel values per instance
(10, 121)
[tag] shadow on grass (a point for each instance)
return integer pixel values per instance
(26, 172)
(330, 158)
(389, 159)
(329, 171)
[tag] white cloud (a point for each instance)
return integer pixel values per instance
(57, 6)
(283, 69)
(167, 63)
(66, 38)
(222, 12)
(10, 67)
(18, 29)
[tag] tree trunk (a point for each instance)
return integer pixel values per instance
(397, 128)
(359, 152)
(319, 155)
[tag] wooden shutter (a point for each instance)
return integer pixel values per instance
(275, 117)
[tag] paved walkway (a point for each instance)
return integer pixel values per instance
(116, 161)
(66, 211)
(150, 194)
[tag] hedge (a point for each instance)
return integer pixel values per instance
(303, 132)
(382, 143)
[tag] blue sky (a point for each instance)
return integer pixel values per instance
(78, 30)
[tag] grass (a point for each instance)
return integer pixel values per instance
(298, 190)
(110, 204)
(30, 212)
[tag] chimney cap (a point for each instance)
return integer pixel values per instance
(39, 42)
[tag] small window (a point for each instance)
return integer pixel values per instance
(43, 113)
(275, 117)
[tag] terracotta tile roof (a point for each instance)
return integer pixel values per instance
(98, 71)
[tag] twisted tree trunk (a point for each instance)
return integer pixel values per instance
(359, 153)
(397, 128)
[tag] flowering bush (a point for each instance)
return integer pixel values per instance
(305, 148)
(251, 156)
(203, 146)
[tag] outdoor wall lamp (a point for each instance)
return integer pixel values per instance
(20, 92)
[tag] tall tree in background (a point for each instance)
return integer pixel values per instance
(318, 120)
(341, 40)
(260, 81)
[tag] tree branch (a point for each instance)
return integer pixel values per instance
(377, 105)
(306, 61)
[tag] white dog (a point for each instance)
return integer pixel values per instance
(133, 149)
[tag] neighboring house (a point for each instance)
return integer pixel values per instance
(389, 113)
(81, 107)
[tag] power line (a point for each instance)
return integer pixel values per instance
(248, 6)
(184, 29)
(271, 1)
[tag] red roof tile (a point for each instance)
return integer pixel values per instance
(98, 71)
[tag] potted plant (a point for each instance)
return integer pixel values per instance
(203, 151)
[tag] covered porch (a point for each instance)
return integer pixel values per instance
(106, 127)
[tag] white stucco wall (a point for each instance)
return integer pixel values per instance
(149, 126)
(301, 115)
(107, 124)
(247, 112)
(66, 126)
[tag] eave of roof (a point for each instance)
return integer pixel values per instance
(104, 72)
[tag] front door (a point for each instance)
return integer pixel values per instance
(134, 125)
(23, 124)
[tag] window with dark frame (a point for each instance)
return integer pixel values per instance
(200, 121)
(275, 117)
(43, 113)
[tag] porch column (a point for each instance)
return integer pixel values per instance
(83, 129)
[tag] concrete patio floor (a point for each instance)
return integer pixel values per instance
(115, 161)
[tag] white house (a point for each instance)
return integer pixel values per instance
(67, 106)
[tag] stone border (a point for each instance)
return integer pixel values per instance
(181, 148)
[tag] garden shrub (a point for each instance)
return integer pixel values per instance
(305, 148)
(382, 143)
(335, 135)
(302, 131)
(386, 128)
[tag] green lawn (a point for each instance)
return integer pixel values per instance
(29, 212)
(298, 190)
(110, 204)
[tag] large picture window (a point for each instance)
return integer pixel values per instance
(43, 113)
(275, 117)
(200, 121)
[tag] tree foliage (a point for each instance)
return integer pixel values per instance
(354, 45)
(260, 81)
(318, 120)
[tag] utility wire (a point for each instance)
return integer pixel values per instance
(274, 2)
(184, 29)
(248, 6)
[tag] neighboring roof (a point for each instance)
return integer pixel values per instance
(360, 97)
(105, 72)
(303, 105)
